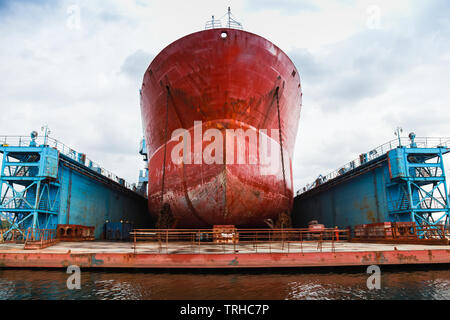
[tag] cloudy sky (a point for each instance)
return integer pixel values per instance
(366, 67)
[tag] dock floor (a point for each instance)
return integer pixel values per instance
(208, 255)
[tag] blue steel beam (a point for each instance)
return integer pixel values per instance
(32, 170)
(63, 188)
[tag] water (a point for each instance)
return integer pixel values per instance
(396, 283)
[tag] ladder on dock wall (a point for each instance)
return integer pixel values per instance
(29, 189)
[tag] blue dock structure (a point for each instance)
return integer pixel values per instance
(143, 174)
(44, 183)
(400, 181)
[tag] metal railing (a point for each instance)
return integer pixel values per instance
(401, 231)
(213, 24)
(12, 235)
(173, 241)
(13, 203)
(421, 142)
(40, 238)
(228, 18)
(428, 203)
(428, 172)
(25, 141)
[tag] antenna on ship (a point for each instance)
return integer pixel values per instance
(217, 23)
(232, 23)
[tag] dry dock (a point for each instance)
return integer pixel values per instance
(184, 255)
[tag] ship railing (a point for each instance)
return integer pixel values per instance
(213, 24)
(230, 22)
(288, 240)
(420, 142)
(25, 141)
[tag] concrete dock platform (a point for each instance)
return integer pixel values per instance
(208, 255)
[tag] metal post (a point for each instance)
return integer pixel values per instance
(270, 242)
(134, 242)
(36, 204)
(1, 178)
(301, 241)
(332, 240)
(441, 160)
(319, 244)
(410, 200)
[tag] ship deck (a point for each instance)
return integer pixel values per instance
(105, 254)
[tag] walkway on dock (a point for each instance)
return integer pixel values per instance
(180, 255)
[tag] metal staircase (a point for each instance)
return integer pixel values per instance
(417, 190)
(29, 187)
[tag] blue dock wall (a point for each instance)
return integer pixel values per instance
(359, 199)
(89, 199)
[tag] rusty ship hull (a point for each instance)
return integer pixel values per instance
(221, 80)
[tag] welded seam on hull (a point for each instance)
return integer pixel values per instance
(165, 146)
(263, 124)
(186, 194)
(172, 98)
(281, 147)
(188, 200)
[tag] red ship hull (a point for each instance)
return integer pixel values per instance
(241, 81)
